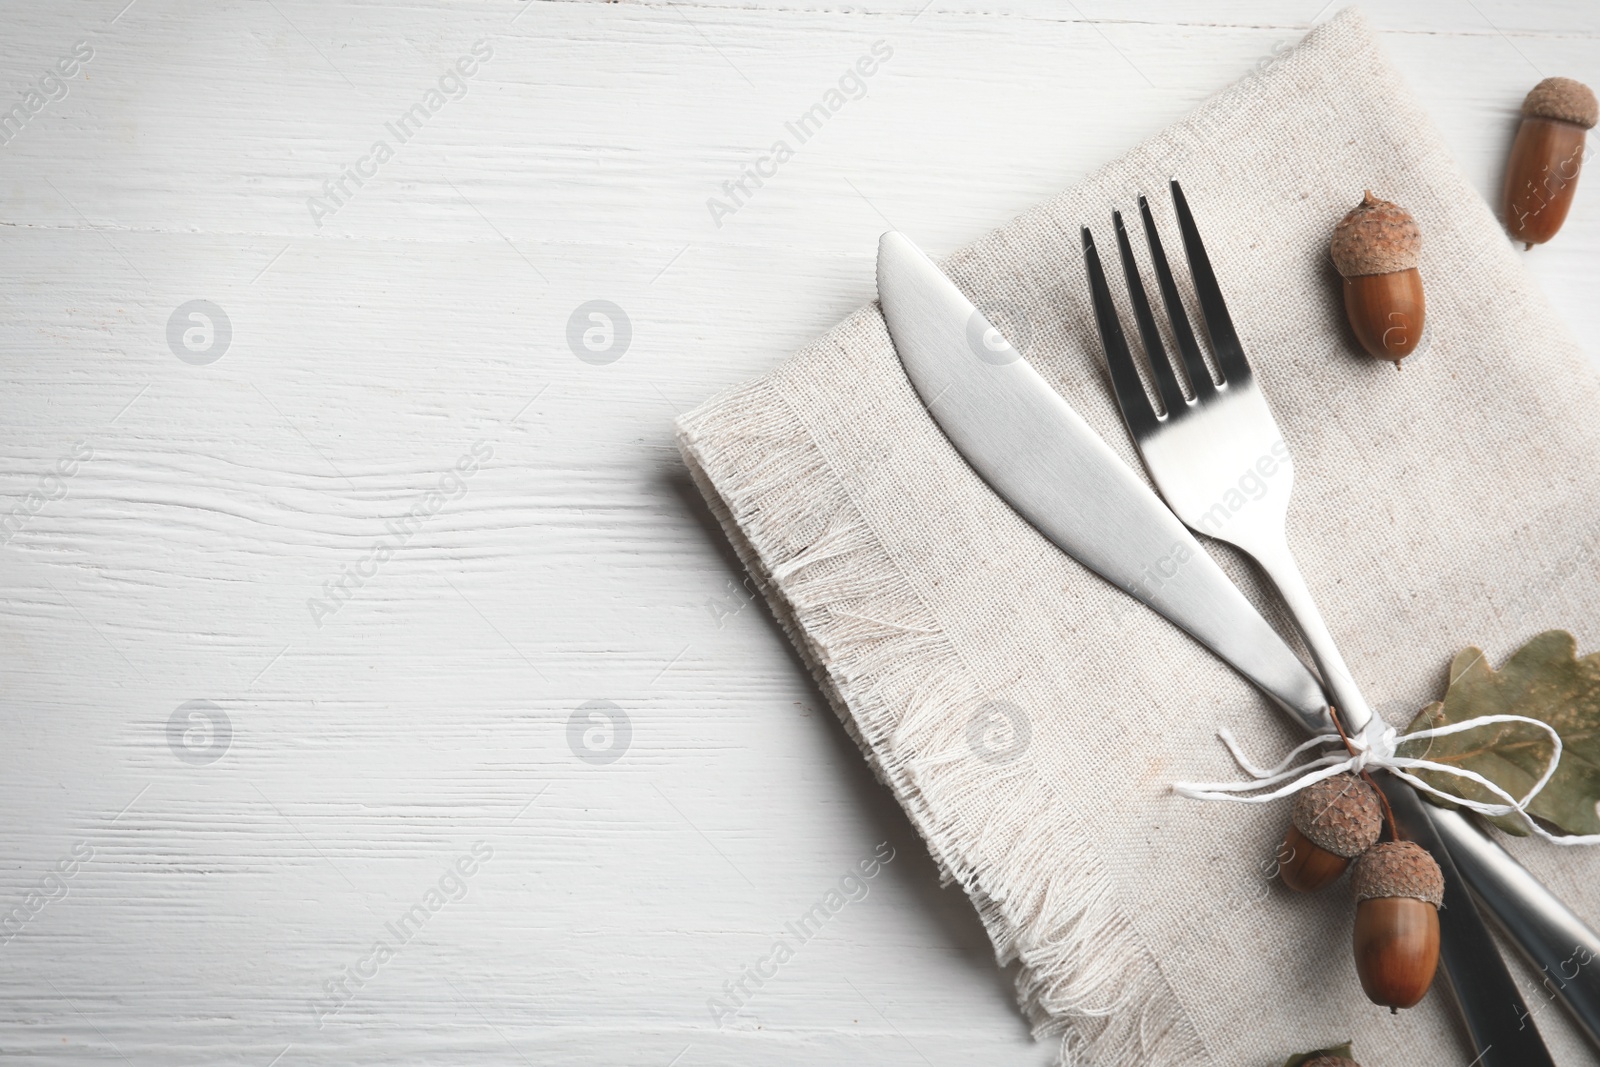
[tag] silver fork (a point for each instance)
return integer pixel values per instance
(1221, 464)
(1215, 454)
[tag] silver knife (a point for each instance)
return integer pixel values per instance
(1022, 438)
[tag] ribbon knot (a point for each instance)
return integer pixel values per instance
(1376, 748)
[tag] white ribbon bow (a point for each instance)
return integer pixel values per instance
(1375, 748)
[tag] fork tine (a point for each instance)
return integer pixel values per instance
(1188, 347)
(1160, 366)
(1136, 410)
(1224, 341)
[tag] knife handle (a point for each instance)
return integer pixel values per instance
(1498, 1021)
(1545, 931)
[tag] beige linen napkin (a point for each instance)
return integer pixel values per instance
(1030, 717)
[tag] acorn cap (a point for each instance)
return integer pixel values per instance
(1398, 869)
(1330, 1061)
(1339, 814)
(1564, 99)
(1377, 237)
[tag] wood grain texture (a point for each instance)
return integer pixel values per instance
(372, 746)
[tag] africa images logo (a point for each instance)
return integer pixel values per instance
(852, 887)
(451, 886)
(851, 85)
(48, 88)
(453, 84)
(599, 332)
(199, 733)
(199, 332)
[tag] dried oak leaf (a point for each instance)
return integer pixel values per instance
(1337, 1053)
(1545, 680)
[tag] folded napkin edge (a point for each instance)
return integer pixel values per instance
(899, 685)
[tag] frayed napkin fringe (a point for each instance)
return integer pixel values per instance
(875, 647)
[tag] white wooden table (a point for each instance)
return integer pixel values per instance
(283, 683)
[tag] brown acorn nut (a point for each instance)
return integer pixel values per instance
(1546, 158)
(1330, 1061)
(1398, 889)
(1334, 821)
(1375, 248)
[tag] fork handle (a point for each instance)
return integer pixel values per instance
(1280, 566)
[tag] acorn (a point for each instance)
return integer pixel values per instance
(1333, 821)
(1330, 1061)
(1546, 158)
(1398, 889)
(1375, 248)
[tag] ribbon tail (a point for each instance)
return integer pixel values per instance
(1226, 737)
(1231, 790)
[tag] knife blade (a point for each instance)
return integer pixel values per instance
(1022, 438)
